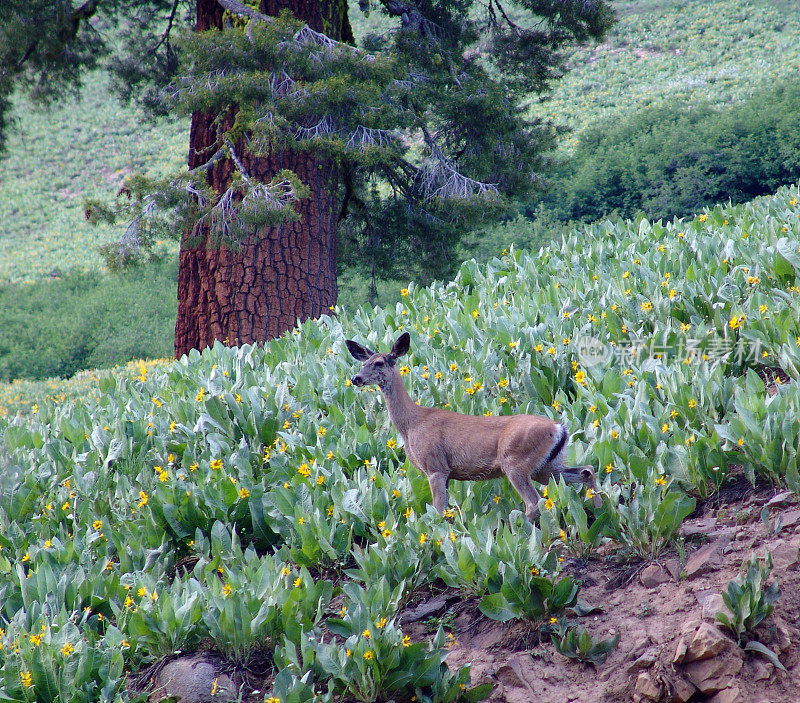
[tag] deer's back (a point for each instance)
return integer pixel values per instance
(475, 447)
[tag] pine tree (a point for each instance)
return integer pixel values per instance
(399, 145)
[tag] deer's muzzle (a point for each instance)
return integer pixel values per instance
(357, 380)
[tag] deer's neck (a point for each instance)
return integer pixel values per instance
(403, 411)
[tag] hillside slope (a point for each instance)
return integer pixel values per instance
(665, 52)
(221, 502)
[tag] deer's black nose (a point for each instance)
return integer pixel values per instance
(357, 380)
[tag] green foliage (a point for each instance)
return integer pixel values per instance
(670, 161)
(763, 431)
(152, 482)
(375, 658)
(567, 520)
(577, 643)
(511, 566)
(749, 598)
(87, 320)
(645, 517)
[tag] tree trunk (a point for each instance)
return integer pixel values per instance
(281, 273)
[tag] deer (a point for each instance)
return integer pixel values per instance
(448, 445)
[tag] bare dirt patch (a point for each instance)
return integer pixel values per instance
(655, 621)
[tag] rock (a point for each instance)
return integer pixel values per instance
(645, 661)
(790, 518)
(779, 500)
(707, 558)
(193, 679)
(785, 556)
(647, 687)
(638, 647)
(512, 673)
(762, 670)
(680, 690)
(715, 674)
(674, 567)
(729, 695)
(712, 605)
(689, 627)
(653, 576)
(426, 609)
(680, 652)
(707, 642)
(697, 528)
(784, 634)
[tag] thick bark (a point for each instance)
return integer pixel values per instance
(281, 273)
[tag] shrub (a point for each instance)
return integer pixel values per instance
(673, 160)
(87, 320)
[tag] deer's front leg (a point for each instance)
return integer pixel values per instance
(438, 484)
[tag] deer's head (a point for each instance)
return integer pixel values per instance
(377, 368)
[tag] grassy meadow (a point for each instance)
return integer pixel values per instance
(252, 503)
(669, 53)
(224, 500)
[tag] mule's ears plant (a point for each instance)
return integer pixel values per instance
(645, 516)
(577, 643)
(750, 600)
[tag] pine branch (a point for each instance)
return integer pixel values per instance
(363, 137)
(440, 179)
(165, 35)
(238, 8)
(236, 160)
(324, 126)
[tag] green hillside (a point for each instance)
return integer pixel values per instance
(55, 160)
(664, 52)
(225, 498)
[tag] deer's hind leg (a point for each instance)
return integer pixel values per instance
(520, 477)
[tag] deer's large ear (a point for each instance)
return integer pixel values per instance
(401, 345)
(358, 352)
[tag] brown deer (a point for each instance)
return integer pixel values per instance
(445, 444)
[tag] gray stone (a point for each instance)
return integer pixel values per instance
(653, 576)
(715, 674)
(697, 528)
(712, 605)
(707, 558)
(762, 670)
(729, 695)
(780, 499)
(639, 646)
(512, 673)
(680, 690)
(680, 652)
(425, 609)
(647, 687)
(785, 556)
(790, 518)
(645, 660)
(674, 567)
(707, 642)
(193, 679)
